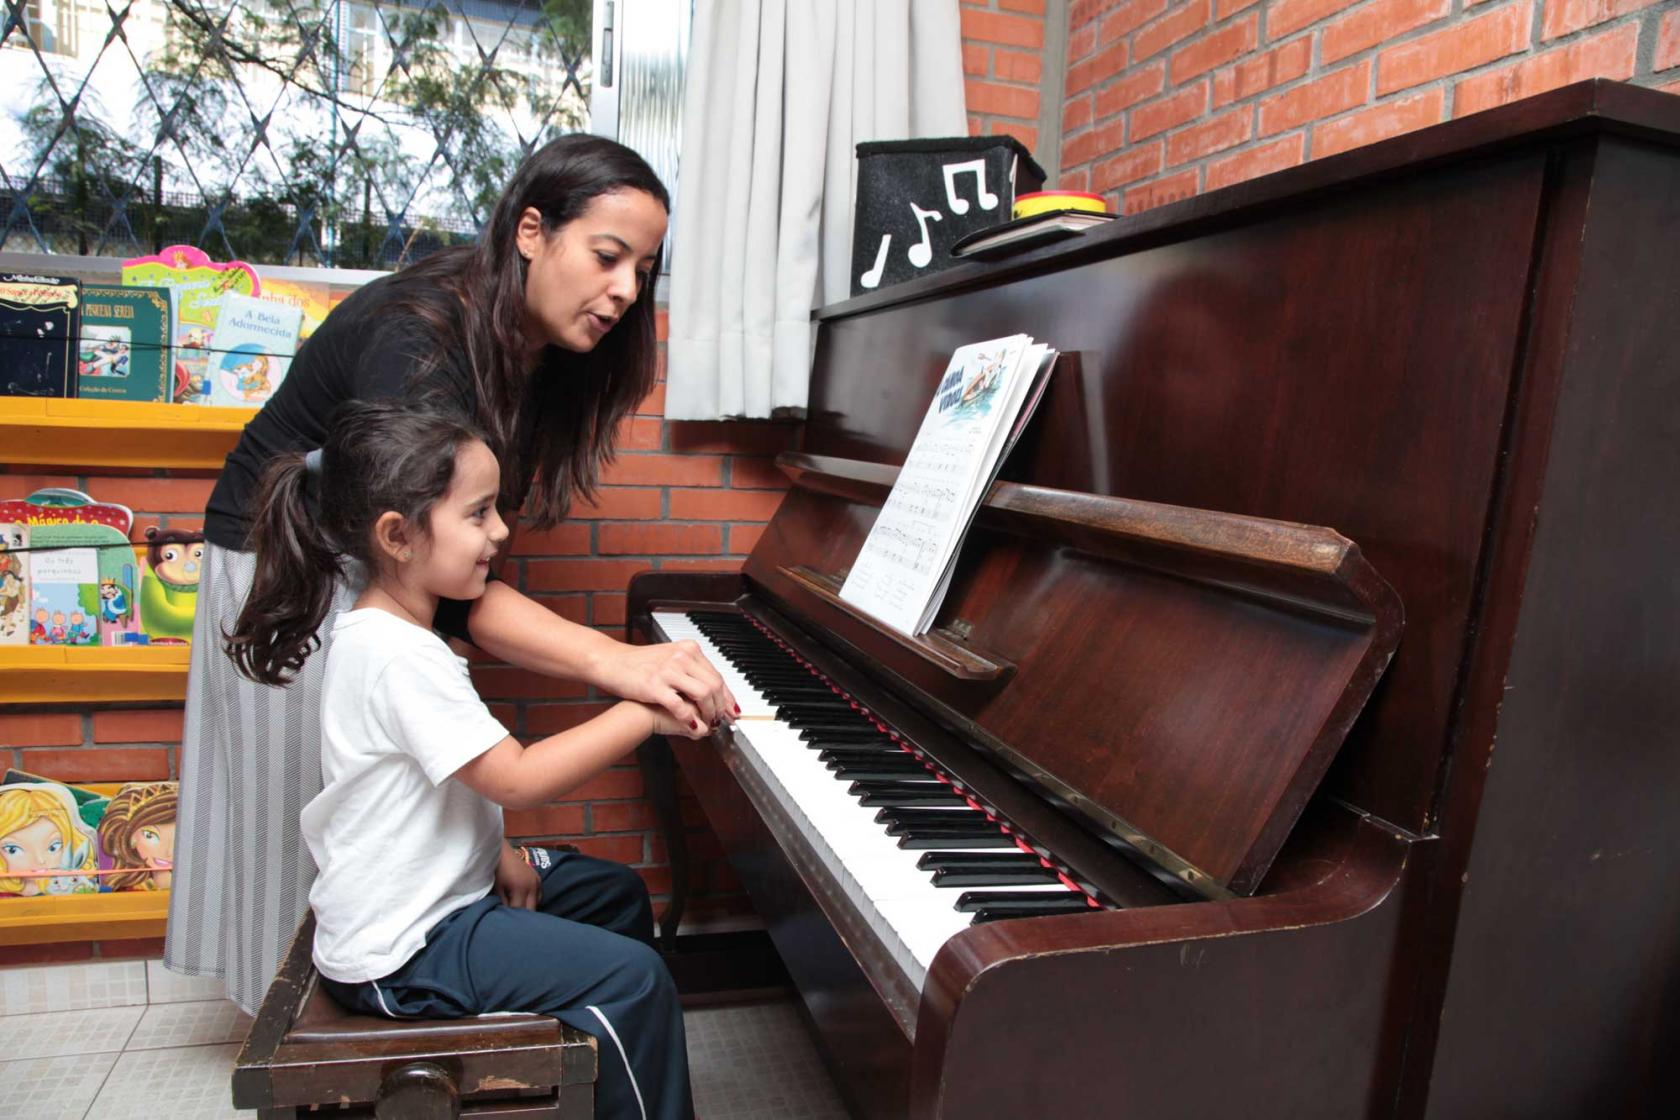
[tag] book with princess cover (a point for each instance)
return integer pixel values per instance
(66, 838)
(123, 353)
(80, 568)
(254, 344)
(38, 325)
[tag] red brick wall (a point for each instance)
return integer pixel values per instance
(1166, 99)
(1003, 67)
(682, 495)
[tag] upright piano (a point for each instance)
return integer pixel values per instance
(1298, 737)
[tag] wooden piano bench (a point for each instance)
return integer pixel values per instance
(307, 1056)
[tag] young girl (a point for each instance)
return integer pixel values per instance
(417, 912)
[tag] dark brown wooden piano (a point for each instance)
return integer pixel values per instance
(1320, 642)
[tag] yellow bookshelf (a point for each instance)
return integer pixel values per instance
(92, 674)
(45, 919)
(42, 431)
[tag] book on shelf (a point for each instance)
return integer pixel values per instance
(14, 583)
(981, 406)
(253, 348)
(123, 349)
(77, 575)
(1026, 233)
(39, 317)
(197, 284)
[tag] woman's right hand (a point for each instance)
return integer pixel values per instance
(664, 723)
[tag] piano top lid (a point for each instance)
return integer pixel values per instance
(1181, 677)
(1595, 105)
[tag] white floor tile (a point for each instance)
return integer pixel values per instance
(164, 986)
(54, 1034)
(186, 1083)
(72, 987)
(190, 1024)
(52, 1088)
(757, 1062)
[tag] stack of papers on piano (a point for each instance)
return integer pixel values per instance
(983, 402)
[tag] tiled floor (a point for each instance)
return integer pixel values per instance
(122, 1040)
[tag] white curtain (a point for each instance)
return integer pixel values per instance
(779, 94)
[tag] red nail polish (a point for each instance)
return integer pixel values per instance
(693, 723)
(737, 709)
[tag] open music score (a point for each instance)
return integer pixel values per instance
(988, 391)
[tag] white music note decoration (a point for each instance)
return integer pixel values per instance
(988, 200)
(921, 253)
(872, 278)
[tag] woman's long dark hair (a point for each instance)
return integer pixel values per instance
(554, 430)
(379, 456)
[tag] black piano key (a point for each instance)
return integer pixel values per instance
(932, 861)
(970, 901)
(998, 913)
(992, 877)
(905, 793)
(818, 726)
(958, 828)
(901, 816)
(881, 768)
(795, 695)
(870, 734)
(922, 839)
(887, 753)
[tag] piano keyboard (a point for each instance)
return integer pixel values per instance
(920, 860)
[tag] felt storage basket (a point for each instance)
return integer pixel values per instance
(917, 198)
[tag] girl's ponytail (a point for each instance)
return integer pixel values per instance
(292, 589)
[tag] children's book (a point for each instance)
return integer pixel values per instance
(311, 298)
(14, 583)
(198, 284)
(105, 836)
(124, 349)
(254, 344)
(38, 324)
(169, 584)
(47, 824)
(81, 569)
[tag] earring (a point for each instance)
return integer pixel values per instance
(405, 556)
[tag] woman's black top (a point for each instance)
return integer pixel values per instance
(367, 349)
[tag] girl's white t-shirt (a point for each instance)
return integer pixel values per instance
(399, 846)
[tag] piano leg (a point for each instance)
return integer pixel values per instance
(659, 779)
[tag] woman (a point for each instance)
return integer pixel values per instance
(542, 334)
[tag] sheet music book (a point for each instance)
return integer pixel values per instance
(978, 411)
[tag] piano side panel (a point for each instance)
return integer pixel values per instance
(1341, 361)
(1271, 1006)
(1563, 997)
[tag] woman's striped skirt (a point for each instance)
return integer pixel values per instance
(250, 762)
